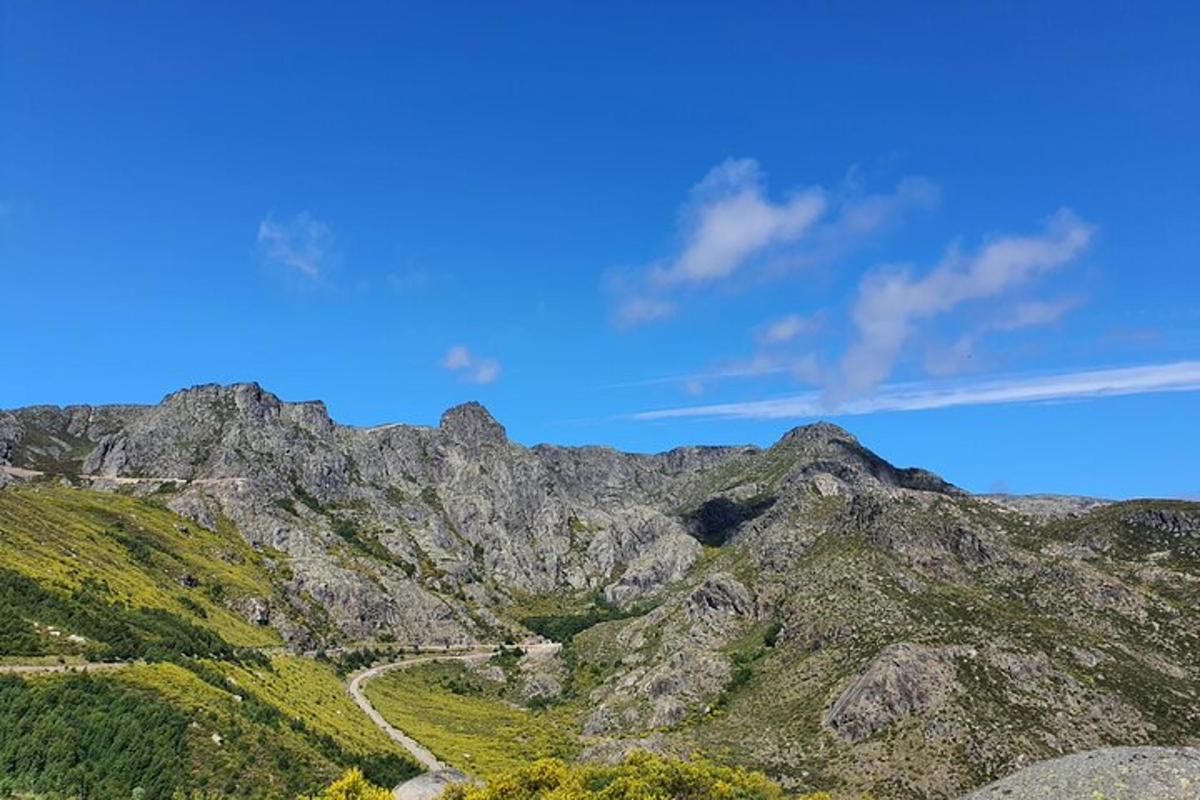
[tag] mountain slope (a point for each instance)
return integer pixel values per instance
(916, 644)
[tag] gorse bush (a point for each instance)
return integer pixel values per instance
(352, 786)
(641, 776)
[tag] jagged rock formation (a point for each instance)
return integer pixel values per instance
(807, 608)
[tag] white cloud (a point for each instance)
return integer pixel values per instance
(760, 364)
(730, 226)
(960, 356)
(730, 220)
(891, 302)
(470, 367)
(856, 217)
(486, 370)
(786, 329)
(303, 244)
(865, 214)
(1181, 376)
(803, 367)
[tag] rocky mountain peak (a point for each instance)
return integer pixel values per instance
(246, 397)
(818, 432)
(471, 423)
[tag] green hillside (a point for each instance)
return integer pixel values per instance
(196, 699)
(130, 556)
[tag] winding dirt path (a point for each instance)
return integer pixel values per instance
(421, 753)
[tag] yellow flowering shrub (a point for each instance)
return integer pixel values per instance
(642, 776)
(352, 786)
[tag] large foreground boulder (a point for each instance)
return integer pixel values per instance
(428, 785)
(1111, 773)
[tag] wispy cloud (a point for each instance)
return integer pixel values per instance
(470, 367)
(1031, 313)
(1180, 376)
(760, 364)
(892, 302)
(785, 329)
(410, 280)
(960, 356)
(634, 311)
(731, 225)
(303, 243)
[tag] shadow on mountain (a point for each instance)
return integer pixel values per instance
(716, 520)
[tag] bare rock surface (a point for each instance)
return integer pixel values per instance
(1113, 773)
(902, 680)
(1047, 506)
(429, 785)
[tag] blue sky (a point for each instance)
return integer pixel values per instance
(969, 236)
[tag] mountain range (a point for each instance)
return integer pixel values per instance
(807, 609)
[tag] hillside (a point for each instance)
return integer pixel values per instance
(182, 684)
(806, 609)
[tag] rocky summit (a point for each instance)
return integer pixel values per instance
(807, 609)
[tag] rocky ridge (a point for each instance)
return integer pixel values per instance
(402, 531)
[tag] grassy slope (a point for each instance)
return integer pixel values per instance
(61, 537)
(466, 723)
(304, 689)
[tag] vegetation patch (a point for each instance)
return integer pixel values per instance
(565, 625)
(465, 723)
(114, 632)
(251, 738)
(87, 737)
(641, 775)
